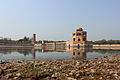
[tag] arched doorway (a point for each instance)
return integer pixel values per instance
(78, 46)
(69, 45)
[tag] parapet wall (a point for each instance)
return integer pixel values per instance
(55, 44)
(80, 44)
(68, 44)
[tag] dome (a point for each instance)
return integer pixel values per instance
(79, 29)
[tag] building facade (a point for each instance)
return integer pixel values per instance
(79, 39)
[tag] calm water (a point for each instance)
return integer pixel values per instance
(34, 54)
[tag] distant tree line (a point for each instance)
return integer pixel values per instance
(24, 40)
(107, 42)
(29, 40)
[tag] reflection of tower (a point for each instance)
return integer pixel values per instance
(79, 54)
(34, 38)
(43, 50)
(33, 53)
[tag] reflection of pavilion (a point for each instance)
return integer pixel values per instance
(79, 53)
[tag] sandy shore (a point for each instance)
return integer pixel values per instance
(107, 68)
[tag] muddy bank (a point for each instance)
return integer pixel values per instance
(107, 68)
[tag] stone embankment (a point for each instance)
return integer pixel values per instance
(106, 45)
(107, 68)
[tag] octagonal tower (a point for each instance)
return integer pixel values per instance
(79, 38)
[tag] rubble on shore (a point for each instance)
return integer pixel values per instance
(107, 68)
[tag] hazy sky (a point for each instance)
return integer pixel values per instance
(56, 19)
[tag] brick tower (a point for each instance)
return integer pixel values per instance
(34, 38)
(79, 35)
(79, 39)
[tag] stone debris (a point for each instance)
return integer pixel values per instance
(106, 68)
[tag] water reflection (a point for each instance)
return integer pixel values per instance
(76, 53)
(79, 53)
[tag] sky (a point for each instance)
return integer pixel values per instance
(57, 19)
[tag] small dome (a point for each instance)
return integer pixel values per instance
(79, 29)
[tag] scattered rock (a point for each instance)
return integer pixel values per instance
(78, 63)
(9, 76)
(18, 74)
(69, 78)
(54, 75)
(94, 69)
(1, 71)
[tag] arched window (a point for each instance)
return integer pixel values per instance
(73, 53)
(73, 34)
(78, 34)
(78, 46)
(73, 39)
(78, 39)
(69, 45)
(84, 39)
(84, 34)
(78, 53)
